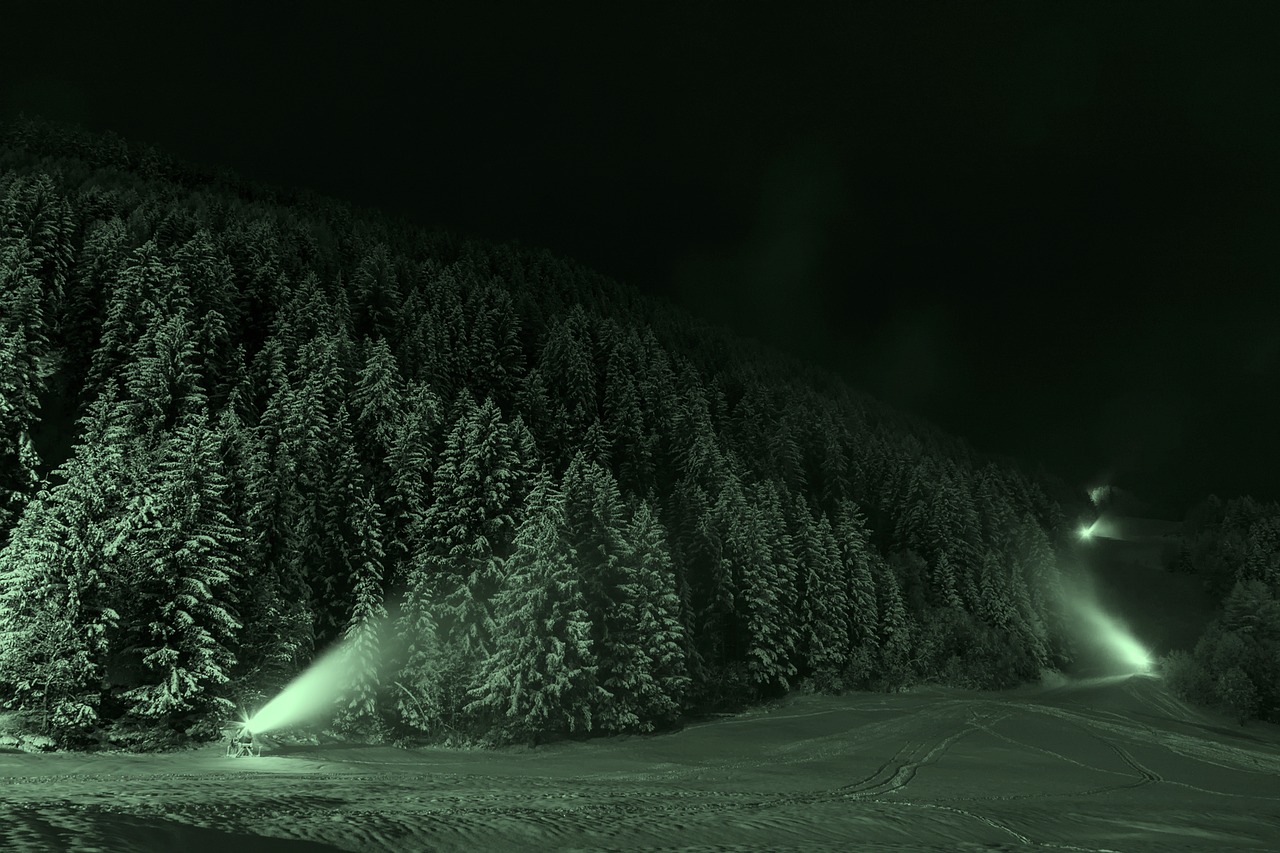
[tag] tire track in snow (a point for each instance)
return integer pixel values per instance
(905, 772)
(1022, 745)
(1183, 746)
(1022, 839)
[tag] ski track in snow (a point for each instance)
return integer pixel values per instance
(785, 794)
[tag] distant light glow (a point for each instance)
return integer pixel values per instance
(1103, 527)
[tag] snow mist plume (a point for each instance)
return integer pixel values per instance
(1110, 643)
(314, 691)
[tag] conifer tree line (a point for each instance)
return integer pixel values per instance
(1233, 546)
(583, 511)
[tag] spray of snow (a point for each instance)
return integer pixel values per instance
(314, 692)
(1123, 648)
(308, 696)
(1109, 641)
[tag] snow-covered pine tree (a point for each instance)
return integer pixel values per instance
(594, 520)
(942, 582)
(623, 416)
(138, 296)
(659, 624)
(337, 549)
(997, 608)
(850, 531)
(824, 606)
(622, 608)
(24, 347)
(411, 460)
(468, 527)
(368, 614)
(34, 210)
(281, 525)
(162, 379)
(376, 291)
(895, 623)
(57, 596)
(378, 405)
(567, 366)
(756, 560)
(541, 675)
(174, 546)
(495, 358)
(93, 277)
(694, 555)
(445, 333)
(211, 281)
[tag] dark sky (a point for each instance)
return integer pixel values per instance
(1049, 228)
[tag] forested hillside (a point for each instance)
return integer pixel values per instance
(1234, 548)
(272, 420)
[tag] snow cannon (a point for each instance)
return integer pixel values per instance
(242, 741)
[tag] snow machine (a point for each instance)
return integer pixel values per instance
(242, 742)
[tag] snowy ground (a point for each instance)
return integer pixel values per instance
(1108, 764)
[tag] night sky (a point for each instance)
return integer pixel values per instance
(1053, 229)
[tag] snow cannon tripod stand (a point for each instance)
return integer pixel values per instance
(242, 742)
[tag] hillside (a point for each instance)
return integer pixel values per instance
(527, 501)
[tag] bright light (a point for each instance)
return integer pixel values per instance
(313, 692)
(1086, 531)
(1115, 638)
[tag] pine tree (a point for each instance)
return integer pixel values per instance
(34, 211)
(174, 549)
(494, 357)
(337, 549)
(211, 282)
(94, 276)
(762, 568)
(445, 334)
(377, 402)
(162, 378)
(594, 521)
(693, 542)
(144, 294)
(377, 292)
(281, 520)
(362, 634)
(24, 347)
(895, 624)
(541, 675)
(57, 596)
(942, 583)
(410, 460)
(567, 366)
(658, 623)
(625, 600)
(824, 608)
(851, 536)
(624, 417)
(469, 523)
(270, 644)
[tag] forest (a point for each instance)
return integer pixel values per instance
(241, 422)
(1234, 548)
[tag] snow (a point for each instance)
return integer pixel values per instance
(1109, 763)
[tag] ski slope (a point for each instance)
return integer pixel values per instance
(1102, 764)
